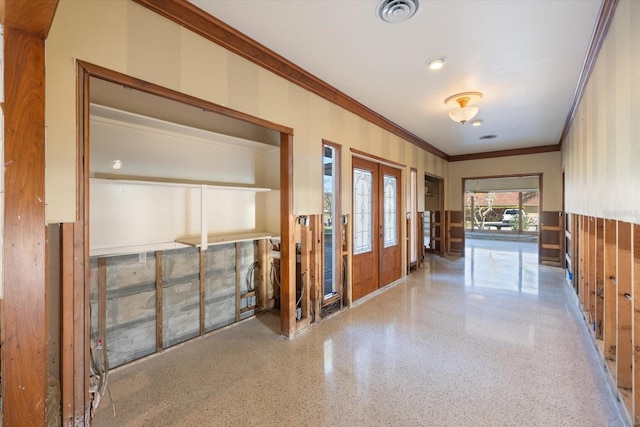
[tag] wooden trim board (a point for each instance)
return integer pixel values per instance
(24, 322)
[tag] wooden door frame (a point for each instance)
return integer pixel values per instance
(75, 237)
(413, 200)
(338, 224)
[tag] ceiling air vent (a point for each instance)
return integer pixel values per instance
(394, 11)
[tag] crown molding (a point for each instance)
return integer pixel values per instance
(605, 16)
(506, 153)
(200, 22)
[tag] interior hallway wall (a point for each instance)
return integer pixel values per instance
(601, 152)
(128, 38)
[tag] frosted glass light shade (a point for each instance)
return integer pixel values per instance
(462, 115)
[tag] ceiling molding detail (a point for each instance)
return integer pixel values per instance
(605, 16)
(506, 153)
(200, 22)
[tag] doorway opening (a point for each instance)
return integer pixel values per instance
(502, 208)
(434, 239)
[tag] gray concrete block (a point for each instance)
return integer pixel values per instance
(130, 343)
(180, 263)
(220, 259)
(181, 312)
(129, 308)
(128, 270)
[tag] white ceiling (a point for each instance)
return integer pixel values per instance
(525, 56)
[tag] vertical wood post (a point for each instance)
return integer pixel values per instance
(237, 281)
(159, 305)
(102, 301)
(599, 277)
(287, 243)
(203, 283)
(305, 267)
(24, 323)
(636, 323)
(591, 272)
(581, 264)
(263, 257)
(610, 289)
(624, 350)
(66, 322)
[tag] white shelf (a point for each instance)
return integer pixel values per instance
(134, 249)
(221, 239)
(238, 187)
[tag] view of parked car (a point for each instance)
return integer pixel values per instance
(511, 214)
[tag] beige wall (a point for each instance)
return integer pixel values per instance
(546, 163)
(602, 151)
(128, 38)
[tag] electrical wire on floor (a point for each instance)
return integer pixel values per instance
(99, 374)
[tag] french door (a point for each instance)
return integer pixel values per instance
(376, 226)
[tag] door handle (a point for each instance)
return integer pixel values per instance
(380, 231)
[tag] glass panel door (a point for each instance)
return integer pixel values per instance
(366, 227)
(390, 211)
(362, 211)
(391, 250)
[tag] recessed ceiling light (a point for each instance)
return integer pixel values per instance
(437, 62)
(477, 123)
(117, 164)
(488, 136)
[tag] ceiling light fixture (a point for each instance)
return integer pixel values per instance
(395, 11)
(436, 63)
(462, 111)
(477, 123)
(117, 164)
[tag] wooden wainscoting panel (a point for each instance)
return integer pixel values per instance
(455, 232)
(551, 238)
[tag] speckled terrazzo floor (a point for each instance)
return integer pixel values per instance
(491, 339)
